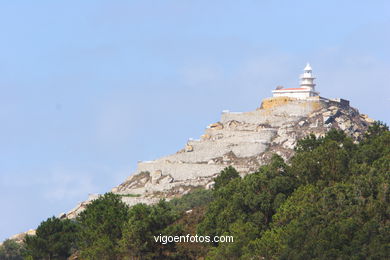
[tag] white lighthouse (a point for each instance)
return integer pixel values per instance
(306, 87)
(307, 79)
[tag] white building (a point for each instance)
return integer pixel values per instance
(306, 88)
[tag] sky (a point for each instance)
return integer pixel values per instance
(88, 88)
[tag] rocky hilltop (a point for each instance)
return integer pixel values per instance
(243, 140)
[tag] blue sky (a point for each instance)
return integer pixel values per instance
(88, 88)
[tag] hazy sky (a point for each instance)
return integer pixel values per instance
(88, 88)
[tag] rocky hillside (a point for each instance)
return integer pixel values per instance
(243, 140)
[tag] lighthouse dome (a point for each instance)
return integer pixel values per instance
(308, 67)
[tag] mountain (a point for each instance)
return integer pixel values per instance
(244, 140)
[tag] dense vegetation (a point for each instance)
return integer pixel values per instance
(330, 201)
(11, 250)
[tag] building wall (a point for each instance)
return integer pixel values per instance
(299, 95)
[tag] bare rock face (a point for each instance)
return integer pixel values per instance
(243, 140)
(19, 238)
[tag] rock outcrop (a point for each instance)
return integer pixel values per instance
(243, 140)
(19, 238)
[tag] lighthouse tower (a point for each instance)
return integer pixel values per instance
(307, 79)
(306, 87)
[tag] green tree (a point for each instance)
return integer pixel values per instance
(101, 226)
(144, 223)
(54, 239)
(242, 233)
(196, 198)
(344, 224)
(375, 145)
(326, 162)
(376, 129)
(11, 250)
(345, 219)
(226, 175)
(308, 144)
(273, 242)
(339, 211)
(252, 199)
